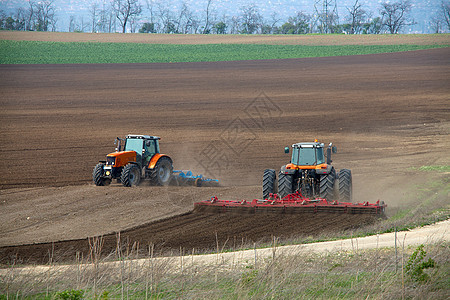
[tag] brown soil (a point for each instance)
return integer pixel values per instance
(198, 231)
(386, 113)
(288, 39)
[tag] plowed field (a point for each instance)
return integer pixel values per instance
(191, 232)
(387, 113)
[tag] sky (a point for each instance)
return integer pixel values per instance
(422, 9)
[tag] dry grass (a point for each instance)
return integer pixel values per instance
(369, 274)
(311, 40)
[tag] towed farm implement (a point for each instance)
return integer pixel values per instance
(290, 204)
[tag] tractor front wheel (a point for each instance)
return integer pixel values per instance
(162, 173)
(345, 185)
(269, 182)
(97, 175)
(131, 175)
(285, 184)
(327, 185)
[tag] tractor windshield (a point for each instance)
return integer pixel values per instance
(134, 145)
(307, 156)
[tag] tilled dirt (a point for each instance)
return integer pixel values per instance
(190, 232)
(387, 113)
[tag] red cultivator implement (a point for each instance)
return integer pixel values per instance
(290, 204)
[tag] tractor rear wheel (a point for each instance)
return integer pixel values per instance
(131, 175)
(327, 185)
(269, 182)
(162, 173)
(285, 184)
(97, 175)
(345, 185)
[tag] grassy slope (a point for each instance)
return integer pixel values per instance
(38, 52)
(369, 274)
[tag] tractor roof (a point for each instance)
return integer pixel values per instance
(308, 145)
(144, 137)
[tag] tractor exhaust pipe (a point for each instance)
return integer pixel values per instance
(330, 149)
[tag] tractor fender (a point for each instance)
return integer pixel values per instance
(287, 171)
(324, 171)
(155, 159)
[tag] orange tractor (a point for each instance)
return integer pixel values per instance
(137, 157)
(309, 172)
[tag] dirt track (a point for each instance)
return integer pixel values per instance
(284, 39)
(386, 113)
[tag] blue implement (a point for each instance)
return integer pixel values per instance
(186, 177)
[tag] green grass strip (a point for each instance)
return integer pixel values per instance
(435, 168)
(33, 52)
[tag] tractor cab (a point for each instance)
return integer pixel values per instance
(307, 154)
(145, 147)
(310, 154)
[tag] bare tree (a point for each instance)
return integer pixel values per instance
(44, 15)
(234, 22)
(206, 29)
(126, 9)
(195, 25)
(436, 23)
(189, 23)
(357, 16)
(3, 17)
(103, 19)
(165, 17)
(83, 25)
(181, 16)
(445, 11)
(93, 11)
(72, 24)
(274, 19)
(326, 15)
(396, 15)
(20, 18)
(251, 19)
(151, 9)
(133, 21)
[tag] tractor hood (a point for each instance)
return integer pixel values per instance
(120, 158)
(121, 153)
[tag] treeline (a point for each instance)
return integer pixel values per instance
(157, 16)
(38, 16)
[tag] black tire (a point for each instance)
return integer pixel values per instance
(269, 183)
(131, 175)
(285, 184)
(162, 173)
(345, 185)
(327, 185)
(97, 175)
